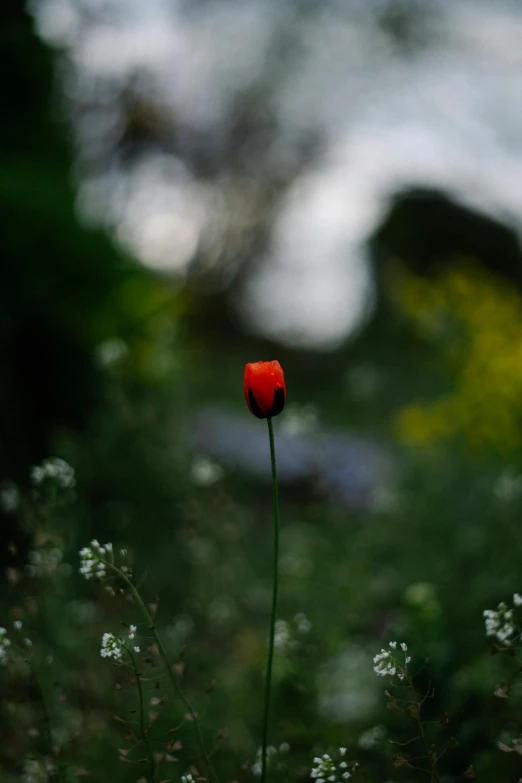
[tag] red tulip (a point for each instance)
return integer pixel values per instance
(265, 390)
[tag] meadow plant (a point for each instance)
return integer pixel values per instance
(100, 562)
(142, 660)
(504, 625)
(332, 767)
(420, 752)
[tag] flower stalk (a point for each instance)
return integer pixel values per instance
(275, 586)
(144, 730)
(173, 679)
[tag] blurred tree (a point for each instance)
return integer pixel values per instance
(61, 282)
(425, 228)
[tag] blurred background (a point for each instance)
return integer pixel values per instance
(189, 186)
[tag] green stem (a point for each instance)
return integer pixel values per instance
(173, 679)
(275, 576)
(144, 733)
(55, 775)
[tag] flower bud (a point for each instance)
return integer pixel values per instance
(265, 390)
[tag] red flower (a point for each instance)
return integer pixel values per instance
(265, 390)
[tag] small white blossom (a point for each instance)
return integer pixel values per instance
(132, 631)
(28, 642)
(112, 351)
(508, 486)
(56, 469)
(371, 738)
(111, 647)
(299, 419)
(5, 643)
(136, 649)
(517, 599)
(282, 634)
(187, 779)
(386, 664)
(91, 557)
(404, 646)
(303, 623)
(272, 758)
(17, 625)
(9, 497)
(205, 471)
(38, 771)
(326, 770)
(500, 623)
(43, 562)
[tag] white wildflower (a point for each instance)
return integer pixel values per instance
(132, 631)
(371, 738)
(55, 469)
(28, 642)
(500, 623)
(205, 471)
(326, 770)
(272, 758)
(303, 623)
(91, 560)
(300, 420)
(37, 771)
(112, 351)
(404, 646)
(9, 497)
(136, 649)
(282, 634)
(43, 562)
(508, 486)
(111, 647)
(386, 664)
(517, 599)
(187, 779)
(17, 625)
(4, 645)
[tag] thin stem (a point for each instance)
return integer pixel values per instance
(275, 584)
(433, 773)
(144, 732)
(55, 774)
(174, 681)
